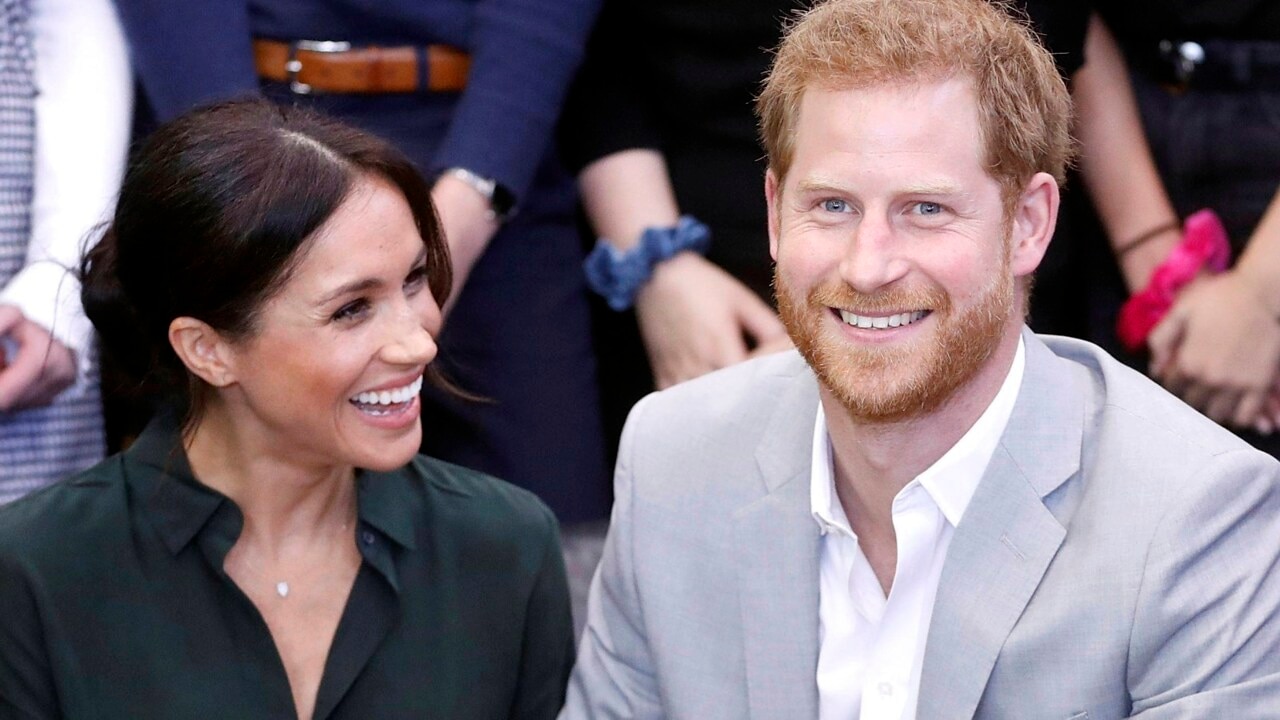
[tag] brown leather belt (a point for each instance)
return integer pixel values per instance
(336, 67)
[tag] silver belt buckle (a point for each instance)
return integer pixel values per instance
(293, 65)
(1185, 56)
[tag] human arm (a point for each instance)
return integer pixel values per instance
(620, 115)
(1207, 613)
(82, 71)
(614, 676)
(178, 62)
(548, 635)
(1116, 163)
(523, 55)
(1219, 347)
(693, 316)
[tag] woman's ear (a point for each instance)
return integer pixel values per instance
(203, 350)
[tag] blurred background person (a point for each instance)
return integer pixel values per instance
(1206, 81)
(659, 125)
(65, 103)
(270, 546)
(470, 90)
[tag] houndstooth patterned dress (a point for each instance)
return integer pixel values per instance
(39, 445)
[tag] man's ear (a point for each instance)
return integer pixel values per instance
(771, 197)
(1034, 217)
(203, 350)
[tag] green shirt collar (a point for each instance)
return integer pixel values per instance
(181, 506)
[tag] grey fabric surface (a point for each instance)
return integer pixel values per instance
(1119, 558)
(582, 544)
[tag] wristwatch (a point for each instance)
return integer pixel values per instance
(502, 202)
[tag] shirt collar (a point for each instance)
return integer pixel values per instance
(823, 502)
(181, 506)
(950, 481)
(381, 504)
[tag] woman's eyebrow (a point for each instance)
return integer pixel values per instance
(355, 286)
(365, 284)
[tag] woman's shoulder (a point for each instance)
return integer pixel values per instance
(81, 511)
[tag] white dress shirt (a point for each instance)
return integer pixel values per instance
(871, 648)
(83, 115)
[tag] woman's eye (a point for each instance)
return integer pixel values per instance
(835, 205)
(416, 279)
(928, 208)
(351, 311)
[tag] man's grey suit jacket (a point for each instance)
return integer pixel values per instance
(1121, 557)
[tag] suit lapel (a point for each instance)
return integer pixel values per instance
(1006, 540)
(778, 545)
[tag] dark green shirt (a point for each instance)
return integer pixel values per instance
(114, 603)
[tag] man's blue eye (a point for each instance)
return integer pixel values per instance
(928, 208)
(834, 205)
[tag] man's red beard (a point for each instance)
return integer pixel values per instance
(896, 381)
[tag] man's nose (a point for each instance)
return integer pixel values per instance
(873, 258)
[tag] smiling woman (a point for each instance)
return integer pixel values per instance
(271, 546)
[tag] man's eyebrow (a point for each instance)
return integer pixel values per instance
(930, 188)
(818, 185)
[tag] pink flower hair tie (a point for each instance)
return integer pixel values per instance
(1203, 246)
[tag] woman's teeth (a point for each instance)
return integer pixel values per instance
(390, 397)
(884, 321)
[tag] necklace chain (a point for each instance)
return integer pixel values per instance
(281, 586)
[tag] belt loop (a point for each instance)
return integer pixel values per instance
(292, 67)
(424, 68)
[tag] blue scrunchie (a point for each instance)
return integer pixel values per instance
(618, 276)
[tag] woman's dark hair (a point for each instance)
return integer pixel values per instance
(213, 213)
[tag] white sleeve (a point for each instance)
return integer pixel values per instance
(83, 114)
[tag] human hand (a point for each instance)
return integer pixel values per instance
(468, 227)
(695, 318)
(40, 368)
(1219, 349)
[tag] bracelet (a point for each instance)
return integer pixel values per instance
(618, 276)
(1151, 234)
(1203, 246)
